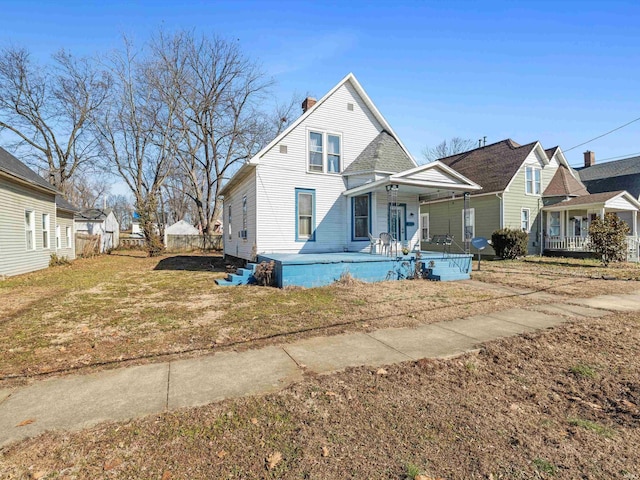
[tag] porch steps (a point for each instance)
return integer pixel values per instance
(447, 271)
(243, 276)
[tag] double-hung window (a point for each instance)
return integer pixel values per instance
(30, 229)
(316, 153)
(305, 214)
(361, 217)
(68, 232)
(325, 152)
(58, 240)
(525, 223)
(554, 224)
(532, 180)
(45, 230)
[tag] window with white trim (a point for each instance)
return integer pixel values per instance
(525, 222)
(468, 227)
(315, 152)
(244, 217)
(30, 229)
(554, 224)
(325, 152)
(229, 222)
(68, 232)
(45, 230)
(424, 227)
(58, 240)
(532, 180)
(305, 214)
(361, 219)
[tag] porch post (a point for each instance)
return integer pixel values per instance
(602, 212)
(635, 224)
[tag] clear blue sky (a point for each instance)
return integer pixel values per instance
(561, 72)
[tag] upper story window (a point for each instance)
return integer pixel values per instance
(325, 152)
(532, 180)
(315, 152)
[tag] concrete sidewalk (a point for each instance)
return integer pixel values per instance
(76, 402)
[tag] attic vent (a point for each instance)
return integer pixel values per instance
(283, 149)
(350, 107)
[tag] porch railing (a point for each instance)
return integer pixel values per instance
(581, 244)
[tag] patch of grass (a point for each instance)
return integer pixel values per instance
(412, 471)
(583, 370)
(545, 466)
(592, 426)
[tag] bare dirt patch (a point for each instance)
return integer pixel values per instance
(562, 403)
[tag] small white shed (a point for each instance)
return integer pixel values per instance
(181, 235)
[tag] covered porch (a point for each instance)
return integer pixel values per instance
(566, 224)
(391, 205)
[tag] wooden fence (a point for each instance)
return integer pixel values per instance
(87, 245)
(132, 243)
(188, 243)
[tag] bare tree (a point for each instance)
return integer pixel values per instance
(219, 122)
(135, 130)
(85, 190)
(48, 109)
(446, 149)
(122, 207)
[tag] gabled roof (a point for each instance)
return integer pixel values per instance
(492, 166)
(617, 175)
(94, 214)
(551, 151)
(563, 184)
(63, 204)
(14, 167)
(255, 160)
(383, 154)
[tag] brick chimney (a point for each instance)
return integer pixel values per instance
(308, 103)
(589, 158)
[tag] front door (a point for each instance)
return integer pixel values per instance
(397, 222)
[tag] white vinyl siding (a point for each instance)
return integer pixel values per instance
(15, 200)
(65, 222)
(236, 243)
(278, 175)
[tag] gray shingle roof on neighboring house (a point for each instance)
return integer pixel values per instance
(94, 214)
(14, 167)
(63, 204)
(611, 176)
(383, 154)
(492, 166)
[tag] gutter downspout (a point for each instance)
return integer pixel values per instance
(501, 209)
(540, 226)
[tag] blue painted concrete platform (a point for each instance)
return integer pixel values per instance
(319, 269)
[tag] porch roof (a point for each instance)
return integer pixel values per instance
(618, 201)
(419, 180)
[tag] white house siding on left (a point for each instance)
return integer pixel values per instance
(234, 244)
(15, 199)
(288, 171)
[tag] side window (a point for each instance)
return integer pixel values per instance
(45, 230)
(58, 236)
(229, 222)
(30, 229)
(68, 232)
(305, 214)
(244, 217)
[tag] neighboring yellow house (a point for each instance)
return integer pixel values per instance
(35, 220)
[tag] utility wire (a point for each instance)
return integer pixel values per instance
(603, 135)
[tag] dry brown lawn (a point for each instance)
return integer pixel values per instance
(557, 404)
(125, 308)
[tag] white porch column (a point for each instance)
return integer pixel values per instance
(635, 224)
(602, 213)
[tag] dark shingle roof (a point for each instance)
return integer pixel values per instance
(563, 184)
(63, 204)
(383, 154)
(14, 167)
(618, 175)
(551, 151)
(94, 214)
(492, 166)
